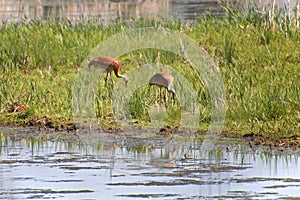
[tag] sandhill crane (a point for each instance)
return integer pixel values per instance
(163, 79)
(109, 64)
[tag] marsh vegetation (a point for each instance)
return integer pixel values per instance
(258, 55)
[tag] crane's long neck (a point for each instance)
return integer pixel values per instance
(116, 71)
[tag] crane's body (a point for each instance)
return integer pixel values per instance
(163, 79)
(109, 64)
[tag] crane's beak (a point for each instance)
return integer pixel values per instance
(174, 96)
(125, 79)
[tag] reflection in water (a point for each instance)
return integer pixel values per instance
(119, 167)
(107, 10)
(100, 9)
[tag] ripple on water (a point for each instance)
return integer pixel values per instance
(112, 170)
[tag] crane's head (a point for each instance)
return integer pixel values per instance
(172, 91)
(91, 63)
(125, 80)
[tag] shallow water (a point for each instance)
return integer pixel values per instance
(119, 167)
(108, 11)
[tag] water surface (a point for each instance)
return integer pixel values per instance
(119, 167)
(107, 11)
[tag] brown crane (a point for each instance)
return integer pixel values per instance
(109, 64)
(164, 80)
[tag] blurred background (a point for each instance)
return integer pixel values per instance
(109, 10)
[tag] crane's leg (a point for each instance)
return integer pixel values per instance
(106, 78)
(112, 81)
(159, 93)
(166, 97)
(157, 96)
(174, 99)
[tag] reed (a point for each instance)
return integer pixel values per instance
(297, 15)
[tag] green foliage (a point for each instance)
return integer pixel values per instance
(260, 66)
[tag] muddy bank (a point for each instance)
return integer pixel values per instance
(70, 131)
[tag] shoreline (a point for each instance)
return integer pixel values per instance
(250, 139)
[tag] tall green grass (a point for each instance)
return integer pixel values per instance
(259, 63)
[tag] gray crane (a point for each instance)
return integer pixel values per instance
(163, 79)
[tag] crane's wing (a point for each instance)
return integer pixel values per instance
(161, 79)
(102, 62)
